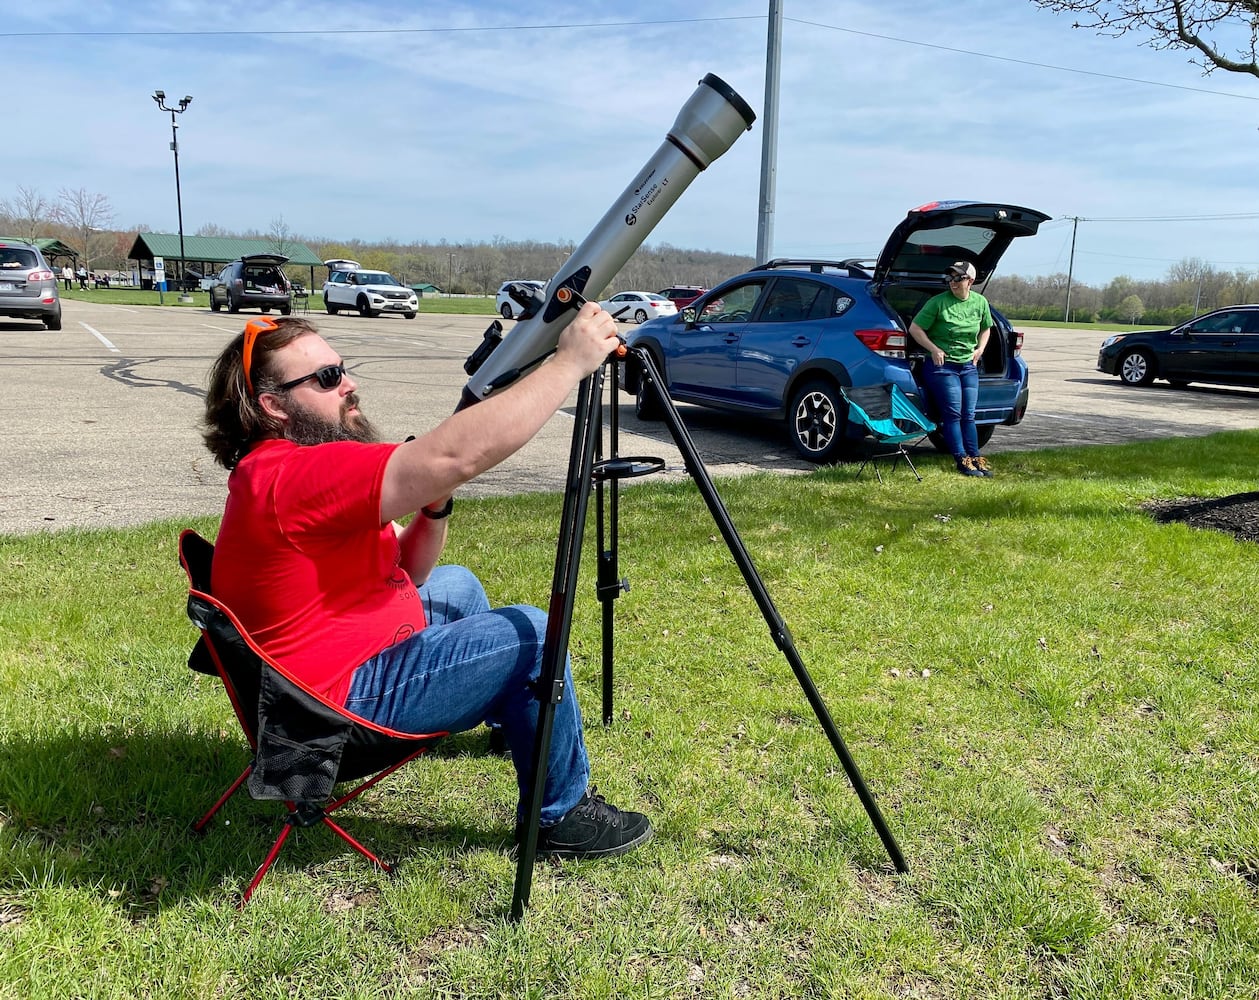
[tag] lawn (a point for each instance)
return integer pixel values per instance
(1052, 696)
(461, 305)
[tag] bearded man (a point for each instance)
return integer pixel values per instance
(312, 559)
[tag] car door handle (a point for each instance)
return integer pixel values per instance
(732, 338)
(801, 342)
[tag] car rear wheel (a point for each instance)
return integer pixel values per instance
(817, 421)
(232, 305)
(364, 307)
(505, 310)
(52, 322)
(640, 316)
(1136, 368)
(215, 304)
(285, 310)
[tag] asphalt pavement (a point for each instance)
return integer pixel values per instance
(102, 427)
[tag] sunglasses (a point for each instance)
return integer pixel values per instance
(328, 377)
(953, 278)
(253, 330)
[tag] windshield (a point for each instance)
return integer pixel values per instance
(376, 278)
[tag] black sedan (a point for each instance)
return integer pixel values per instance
(1222, 346)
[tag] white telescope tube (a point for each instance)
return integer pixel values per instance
(708, 124)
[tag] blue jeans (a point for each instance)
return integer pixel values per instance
(473, 665)
(954, 387)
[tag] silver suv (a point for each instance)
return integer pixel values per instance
(28, 287)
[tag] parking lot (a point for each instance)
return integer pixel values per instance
(101, 427)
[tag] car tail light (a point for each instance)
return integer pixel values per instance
(888, 343)
(1018, 342)
(39, 276)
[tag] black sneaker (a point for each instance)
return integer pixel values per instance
(593, 829)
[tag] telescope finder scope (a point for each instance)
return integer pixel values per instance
(712, 118)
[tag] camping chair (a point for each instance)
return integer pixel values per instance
(890, 418)
(301, 298)
(302, 744)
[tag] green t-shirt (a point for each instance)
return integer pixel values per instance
(954, 324)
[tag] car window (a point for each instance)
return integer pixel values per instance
(734, 305)
(790, 300)
(1225, 322)
(13, 258)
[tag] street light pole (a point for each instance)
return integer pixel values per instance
(160, 97)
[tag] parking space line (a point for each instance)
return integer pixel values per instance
(99, 336)
(1060, 416)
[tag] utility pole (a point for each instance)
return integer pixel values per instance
(769, 134)
(1075, 222)
(160, 98)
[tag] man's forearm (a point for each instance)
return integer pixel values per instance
(474, 440)
(421, 543)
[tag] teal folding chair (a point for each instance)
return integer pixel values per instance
(890, 418)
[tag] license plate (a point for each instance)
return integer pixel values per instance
(6, 286)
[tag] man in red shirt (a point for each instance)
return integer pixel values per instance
(312, 560)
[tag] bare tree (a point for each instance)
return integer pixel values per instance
(281, 235)
(1220, 34)
(89, 216)
(29, 212)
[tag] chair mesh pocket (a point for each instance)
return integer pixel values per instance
(292, 771)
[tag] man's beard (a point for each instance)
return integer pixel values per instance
(306, 427)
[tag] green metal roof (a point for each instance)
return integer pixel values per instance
(48, 246)
(215, 249)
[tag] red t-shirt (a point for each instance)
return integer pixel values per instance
(305, 564)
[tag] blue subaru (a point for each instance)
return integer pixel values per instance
(780, 340)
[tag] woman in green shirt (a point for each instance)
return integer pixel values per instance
(953, 328)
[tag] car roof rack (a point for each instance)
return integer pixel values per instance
(854, 267)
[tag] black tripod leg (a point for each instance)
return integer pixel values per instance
(777, 627)
(586, 432)
(608, 583)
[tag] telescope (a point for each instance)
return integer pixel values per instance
(707, 125)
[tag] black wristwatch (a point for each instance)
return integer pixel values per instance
(437, 515)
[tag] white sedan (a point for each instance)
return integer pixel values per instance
(638, 306)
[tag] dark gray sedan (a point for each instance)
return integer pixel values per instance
(1222, 346)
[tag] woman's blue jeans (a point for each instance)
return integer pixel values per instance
(473, 665)
(954, 387)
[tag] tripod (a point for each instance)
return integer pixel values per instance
(582, 474)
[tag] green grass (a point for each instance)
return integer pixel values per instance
(473, 306)
(1052, 696)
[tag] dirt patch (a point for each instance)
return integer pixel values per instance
(1238, 515)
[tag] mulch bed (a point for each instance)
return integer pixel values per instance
(1237, 515)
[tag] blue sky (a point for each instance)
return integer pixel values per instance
(331, 116)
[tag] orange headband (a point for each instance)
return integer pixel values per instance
(253, 329)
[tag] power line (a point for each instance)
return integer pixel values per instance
(1023, 62)
(266, 32)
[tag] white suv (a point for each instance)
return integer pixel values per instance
(370, 292)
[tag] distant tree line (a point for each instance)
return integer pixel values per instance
(85, 221)
(1187, 289)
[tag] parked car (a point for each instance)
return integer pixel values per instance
(370, 292)
(682, 295)
(508, 307)
(1222, 346)
(28, 286)
(638, 306)
(778, 341)
(255, 281)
